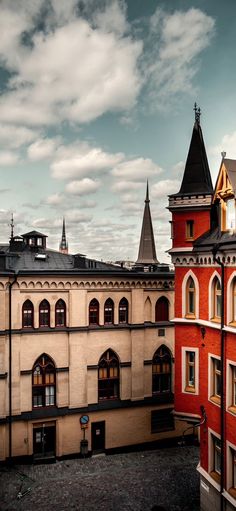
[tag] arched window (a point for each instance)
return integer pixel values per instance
(216, 299)
(44, 314)
(44, 382)
(60, 313)
(233, 300)
(94, 312)
(108, 376)
(190, 297)
(162, 309)
(27, 314)
(161, 371)
(109, 312)
(123, 311)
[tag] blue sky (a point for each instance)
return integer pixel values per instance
(96, 97)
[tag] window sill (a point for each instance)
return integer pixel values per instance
(215, 476)
(191, 390)
(215, 319)
(215, 400)
(232, 409)
(232, 323)
(190, 316)
(232, 492)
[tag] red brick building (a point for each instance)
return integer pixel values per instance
(204, 255)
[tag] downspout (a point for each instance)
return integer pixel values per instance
(10, 368)
(222, 386)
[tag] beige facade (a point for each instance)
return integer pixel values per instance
(75, 351)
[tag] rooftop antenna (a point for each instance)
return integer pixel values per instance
(12, 227)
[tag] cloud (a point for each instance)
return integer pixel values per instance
(8, 158)
(15, 136)
(73, 161)
(42, 149)
(84, 187)
(70, 71)
(126, 186)
(54, 200)
(162, 188)
(138, 169)
(178, 39)
(227, 144)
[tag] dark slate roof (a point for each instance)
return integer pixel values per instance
(230, 166)
(32, 234)
(224, 239)
(197, 177)
(147, 250)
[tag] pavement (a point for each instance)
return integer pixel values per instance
(131, 481)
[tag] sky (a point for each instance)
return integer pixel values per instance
(96, 98)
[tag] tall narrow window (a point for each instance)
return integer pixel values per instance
(234, 301)
(190, 383)
(216, 457)
(123, 311)
(216, 380)
(108, 376)
(232, 388)
(190, 297)
(162, 309)
(27, 314)
(94, 312)
(44, 314)
(60, 313)
(230, 214)
(44, 382)
(232, 478)
(109, 312)
(216, 299)
(161, 371)
(190, 229)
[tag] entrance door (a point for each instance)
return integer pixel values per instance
(44, 442)
(98, 436)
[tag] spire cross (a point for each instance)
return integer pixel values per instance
(197, 113)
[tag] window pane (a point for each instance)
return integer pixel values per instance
(230, 214)
(49, 396)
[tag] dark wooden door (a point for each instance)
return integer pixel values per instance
(98, 436)
(44, 441)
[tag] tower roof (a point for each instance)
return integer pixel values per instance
(147, 250)
(63, 244)
(197, 177)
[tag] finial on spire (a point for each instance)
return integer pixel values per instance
(147, 193)
(12, 227)
(197, 111)
(223, 154)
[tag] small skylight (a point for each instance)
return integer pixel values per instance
(41, 257)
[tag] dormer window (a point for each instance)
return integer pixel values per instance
(189, 229)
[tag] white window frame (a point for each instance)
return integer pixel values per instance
(184, 298)
(210, 295)
(211, 356)
(211, 434)
(230, 305)
(229, 390)
(185, 349)
(229, 465)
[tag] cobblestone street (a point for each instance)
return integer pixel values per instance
(133, 481)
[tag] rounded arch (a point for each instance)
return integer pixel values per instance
(213, 287)
(186, 280)
(43, 382)
(108, 376)
(162, 370)
(162, 309)
(27, 314)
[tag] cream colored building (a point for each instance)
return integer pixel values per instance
(82, 341)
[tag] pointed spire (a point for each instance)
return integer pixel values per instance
(63, 244)
(12, 227)
(147, 250)
(197, 177)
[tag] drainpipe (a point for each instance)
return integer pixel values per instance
(222, 396)
(10, 367)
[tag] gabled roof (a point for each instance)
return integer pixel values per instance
(197, 177)
(230, 166)
(33, 234)
(147, 250)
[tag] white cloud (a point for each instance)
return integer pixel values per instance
(138, 169)
(8, 158)
(54, 200)
(72, 71)
(126, 186)
(227, 144)
(84, 187)
(162, 188)
(178, 40)
(74, 161)
(15, 136)
(112, 18)
(42, 149)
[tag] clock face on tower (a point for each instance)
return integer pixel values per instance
(84, 419)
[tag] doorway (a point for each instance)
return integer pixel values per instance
(98, 436)
(44, 441)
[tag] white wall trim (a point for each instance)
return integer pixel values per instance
(183, 367)
(206, 476)
(203, 322)
(190, 273)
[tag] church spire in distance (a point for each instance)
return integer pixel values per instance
(63, 247)
(147, 250)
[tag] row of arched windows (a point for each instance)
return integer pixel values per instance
(192, 298)
(161, 312)
(44, 377)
